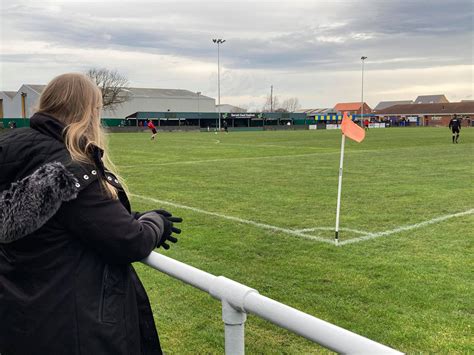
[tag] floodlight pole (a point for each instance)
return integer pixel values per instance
(362, 97)
(218, 41)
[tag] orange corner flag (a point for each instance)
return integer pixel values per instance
(351, 130)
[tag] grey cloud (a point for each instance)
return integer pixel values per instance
(295, 39)
(420, 17)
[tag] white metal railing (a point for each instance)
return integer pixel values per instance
(238, 300)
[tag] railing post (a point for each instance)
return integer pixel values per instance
(234, 321)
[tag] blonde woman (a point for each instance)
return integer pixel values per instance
(68, 236)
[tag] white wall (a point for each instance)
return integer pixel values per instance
(12, 109)
(6, 103)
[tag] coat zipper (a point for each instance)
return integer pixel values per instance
(102, 293)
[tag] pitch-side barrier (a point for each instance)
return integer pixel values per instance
(238, 300)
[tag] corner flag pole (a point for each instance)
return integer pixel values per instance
(339, 188)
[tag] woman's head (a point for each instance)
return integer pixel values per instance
(76, 101)
(72, 98)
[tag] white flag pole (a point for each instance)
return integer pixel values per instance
(339, 188)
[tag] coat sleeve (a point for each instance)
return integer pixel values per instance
(103, 224)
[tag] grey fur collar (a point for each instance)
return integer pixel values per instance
(29, 203)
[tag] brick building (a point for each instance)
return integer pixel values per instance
(351, 108)
(438, 114)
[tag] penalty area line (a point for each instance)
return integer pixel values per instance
(405, 228)
(236, 219)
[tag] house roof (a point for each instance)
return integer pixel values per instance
(420, 109)
(145, 92)
(431, 99)
(384, 104)
(38, 88)
(231, 108)
(10, 94)
(166, 93)
(348, 106)
(317, 111)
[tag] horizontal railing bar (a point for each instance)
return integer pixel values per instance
(326, 334)
(181, 271)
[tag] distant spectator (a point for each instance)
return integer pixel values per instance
(366, 124)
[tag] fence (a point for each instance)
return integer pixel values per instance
(238, 300)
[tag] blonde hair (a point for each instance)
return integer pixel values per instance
(76, 101)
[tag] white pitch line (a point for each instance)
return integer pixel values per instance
(224, 159)
(236, 219)
(299, 232)
(272, 146)
(331, 229)
(406, 228)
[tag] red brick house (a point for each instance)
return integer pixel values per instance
(351, 108)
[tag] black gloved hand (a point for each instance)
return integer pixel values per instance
(164, 221)
(169, 227)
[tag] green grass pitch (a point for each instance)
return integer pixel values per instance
(411, 287)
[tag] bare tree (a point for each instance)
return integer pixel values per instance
(269, 104)
(114, 86)
(291, 105)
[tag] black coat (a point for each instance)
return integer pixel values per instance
(66, 281)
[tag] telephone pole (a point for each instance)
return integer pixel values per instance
(271, 98)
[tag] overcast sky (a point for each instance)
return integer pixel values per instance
(305, 49)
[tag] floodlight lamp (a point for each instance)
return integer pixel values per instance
(363, 57)
(214, 40)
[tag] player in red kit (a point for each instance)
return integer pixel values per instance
(153, 129)
(366, 124)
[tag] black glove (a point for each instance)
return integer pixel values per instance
(169, 227)
(163, 220)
